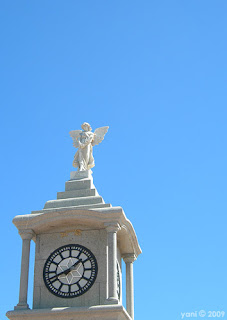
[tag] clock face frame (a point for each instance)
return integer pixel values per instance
(70, 271)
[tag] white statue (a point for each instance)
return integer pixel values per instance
(84, 141)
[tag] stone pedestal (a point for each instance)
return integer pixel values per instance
(78, 175)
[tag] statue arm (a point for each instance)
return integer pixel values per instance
(85, 144)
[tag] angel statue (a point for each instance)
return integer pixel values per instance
(84, 141)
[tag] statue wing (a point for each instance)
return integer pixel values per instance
(75, 135)
(99, 135)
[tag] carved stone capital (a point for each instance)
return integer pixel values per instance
(129, 257)
(27, 234)
(112, 226)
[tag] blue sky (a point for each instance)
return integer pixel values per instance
(156, 73)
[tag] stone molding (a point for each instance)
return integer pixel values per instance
(27, 234)
(112, 226)
(129, 257)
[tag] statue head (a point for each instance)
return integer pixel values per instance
(86, 126)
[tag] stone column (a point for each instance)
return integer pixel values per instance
(129, 259)
(26, 236)
(112, 229)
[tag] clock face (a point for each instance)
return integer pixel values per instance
(70, 271)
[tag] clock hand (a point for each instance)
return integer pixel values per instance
(73, 266)
(52, 279)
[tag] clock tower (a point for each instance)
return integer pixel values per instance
(80, 244)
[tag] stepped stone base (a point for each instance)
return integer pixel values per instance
(73, 202)
(77, 193)
(109, 312)
(80, 193)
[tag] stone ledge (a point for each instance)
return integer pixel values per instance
(105, 312)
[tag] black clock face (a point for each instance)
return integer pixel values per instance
(70, 271)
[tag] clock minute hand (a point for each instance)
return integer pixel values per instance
(73, 266)
(52, 279)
